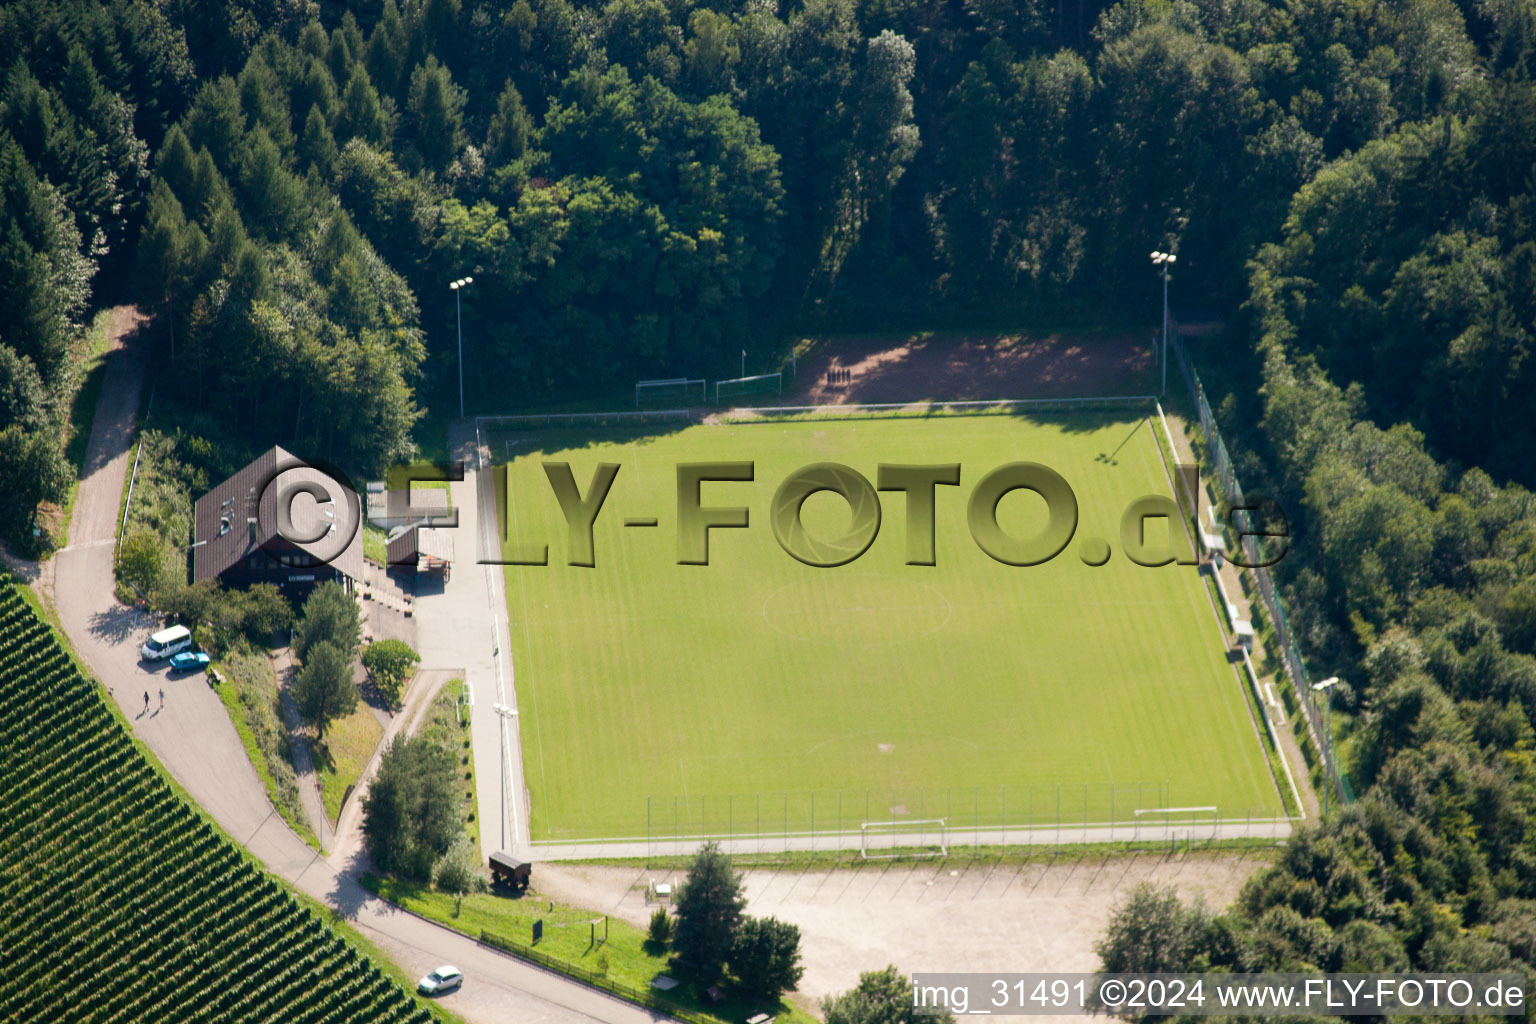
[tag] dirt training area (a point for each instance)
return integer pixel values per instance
(842, 369)
(961, 913)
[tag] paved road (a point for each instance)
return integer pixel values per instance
(192, 736)
(465, 624)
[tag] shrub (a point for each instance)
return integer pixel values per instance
(458, 871)
(389, 664)
(410, 819)
(661, 926)
(141, 563)
(765, 956)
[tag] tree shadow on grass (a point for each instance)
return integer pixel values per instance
(320, 755)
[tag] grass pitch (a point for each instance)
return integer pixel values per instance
(758, 694)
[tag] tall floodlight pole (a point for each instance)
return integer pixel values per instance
(1323, 688)
(1163, 260)
(506, 714)
(458, 286)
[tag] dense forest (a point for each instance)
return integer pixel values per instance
(646, 187)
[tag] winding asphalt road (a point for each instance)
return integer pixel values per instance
(192, 736)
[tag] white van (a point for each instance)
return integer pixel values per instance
(166, 643)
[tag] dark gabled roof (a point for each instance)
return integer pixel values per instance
(406, 543)
(224, 534)
(400, 546)
(503, 859)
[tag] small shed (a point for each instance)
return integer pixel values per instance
(434, 551)
(421, 548)
(508, 870)
(1244, 630)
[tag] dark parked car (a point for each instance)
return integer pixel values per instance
(189, 661)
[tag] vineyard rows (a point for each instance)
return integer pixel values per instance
(120, 904)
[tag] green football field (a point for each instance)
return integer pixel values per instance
(759, 694)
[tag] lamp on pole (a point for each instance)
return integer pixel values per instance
(458, 286)
(1164, 260)
(1323, 688)
(506, 714)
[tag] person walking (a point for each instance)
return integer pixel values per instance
(162, 696)
(146, 700)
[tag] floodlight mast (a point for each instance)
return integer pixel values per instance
(1163, 260)
(1323, 688)
(505, 713)
(458, 287)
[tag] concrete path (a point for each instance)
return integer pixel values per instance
(192, 736)
(1190, 829)
(465, 624)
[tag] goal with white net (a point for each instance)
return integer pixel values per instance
(671, 389)
(757, 385)
(884, 840)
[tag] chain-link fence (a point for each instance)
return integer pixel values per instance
(875, 821)
(1219, 464)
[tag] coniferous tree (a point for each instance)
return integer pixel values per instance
(709, 909)
(317, 147)
(436, 115)
(511, 128)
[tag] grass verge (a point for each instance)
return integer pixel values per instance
(624, 963)
(443, 724)
(249, 695)
(88, 359)
(375, 544)
(343, 754)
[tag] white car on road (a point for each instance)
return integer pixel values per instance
(444, 979)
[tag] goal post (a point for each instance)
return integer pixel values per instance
(886, 840)
(761, 383)
(670, 389)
